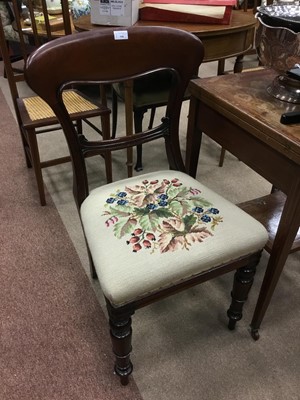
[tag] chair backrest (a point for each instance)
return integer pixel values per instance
(40, 21)
(28, 37)
(113, 55)
(29, 34)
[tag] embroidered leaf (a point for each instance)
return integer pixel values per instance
(121, 211)
(167, 242)
(135, 189)
(162, 213)
(199, 201)
(121, 228)
(180, 191)
(189, 221)
(198, 235)
(149, 223)
(176, 208)
(174, 225)
(141, 211)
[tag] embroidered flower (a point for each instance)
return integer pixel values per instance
(161, 216)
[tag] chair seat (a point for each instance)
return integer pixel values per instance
(37, 109)
(136, 226)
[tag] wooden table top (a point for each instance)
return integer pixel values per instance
(249, 105)
(220, 41)
(239, 21)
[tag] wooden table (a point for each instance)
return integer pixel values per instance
(245, 121)
(220, 41)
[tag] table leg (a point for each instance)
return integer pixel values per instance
(286, 233)
(239, 64)
(193, 139)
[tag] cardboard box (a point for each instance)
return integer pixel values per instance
(114, 12)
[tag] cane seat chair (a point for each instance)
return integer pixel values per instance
(151, 235)
(34, 116)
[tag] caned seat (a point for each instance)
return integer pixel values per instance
(34, 116)
(152, 235)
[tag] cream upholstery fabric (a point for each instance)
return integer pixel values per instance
(121, 220)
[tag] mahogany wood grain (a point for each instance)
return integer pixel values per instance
(246, 121)
(220, 41)
(268, 210)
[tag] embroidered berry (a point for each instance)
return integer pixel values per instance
(133, 240)
(122, 202)
(153, 182)
(198, 210)
(122, 194)
(177, 184)
(162, 196)
(214, 210)
(205, 218)
(150, 236)
(163, 203)
(146, 244)
(137, 232)
(151, 206)
(166, 181)
(145, 182)
(110, 200)
(174, 180)
(136, 247)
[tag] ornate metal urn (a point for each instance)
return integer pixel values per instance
(278, 47)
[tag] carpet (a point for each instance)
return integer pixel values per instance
(54, 338)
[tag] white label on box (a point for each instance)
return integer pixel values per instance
(112, 7)
(120, 35)
(104, 7)
(117, 7)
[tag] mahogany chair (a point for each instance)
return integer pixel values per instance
(152, 235)
(34, 116)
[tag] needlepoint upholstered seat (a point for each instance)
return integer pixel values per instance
(160, 229)
(152, 235)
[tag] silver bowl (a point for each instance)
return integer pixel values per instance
(278, 47)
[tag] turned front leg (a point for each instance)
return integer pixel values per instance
(243, 280)
(121, 334)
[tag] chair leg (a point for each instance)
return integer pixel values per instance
(79, 126)
(114, 107)
(26, 150)
(35, 158)
(222, 157)
(121, 334)
(243, 280)
(105, 123)
(138, 127)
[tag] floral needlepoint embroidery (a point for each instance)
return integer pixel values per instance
(161, 216)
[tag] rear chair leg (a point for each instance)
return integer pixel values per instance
(243, 280)
(35, 158)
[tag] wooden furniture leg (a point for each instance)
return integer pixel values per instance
(286, 233)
